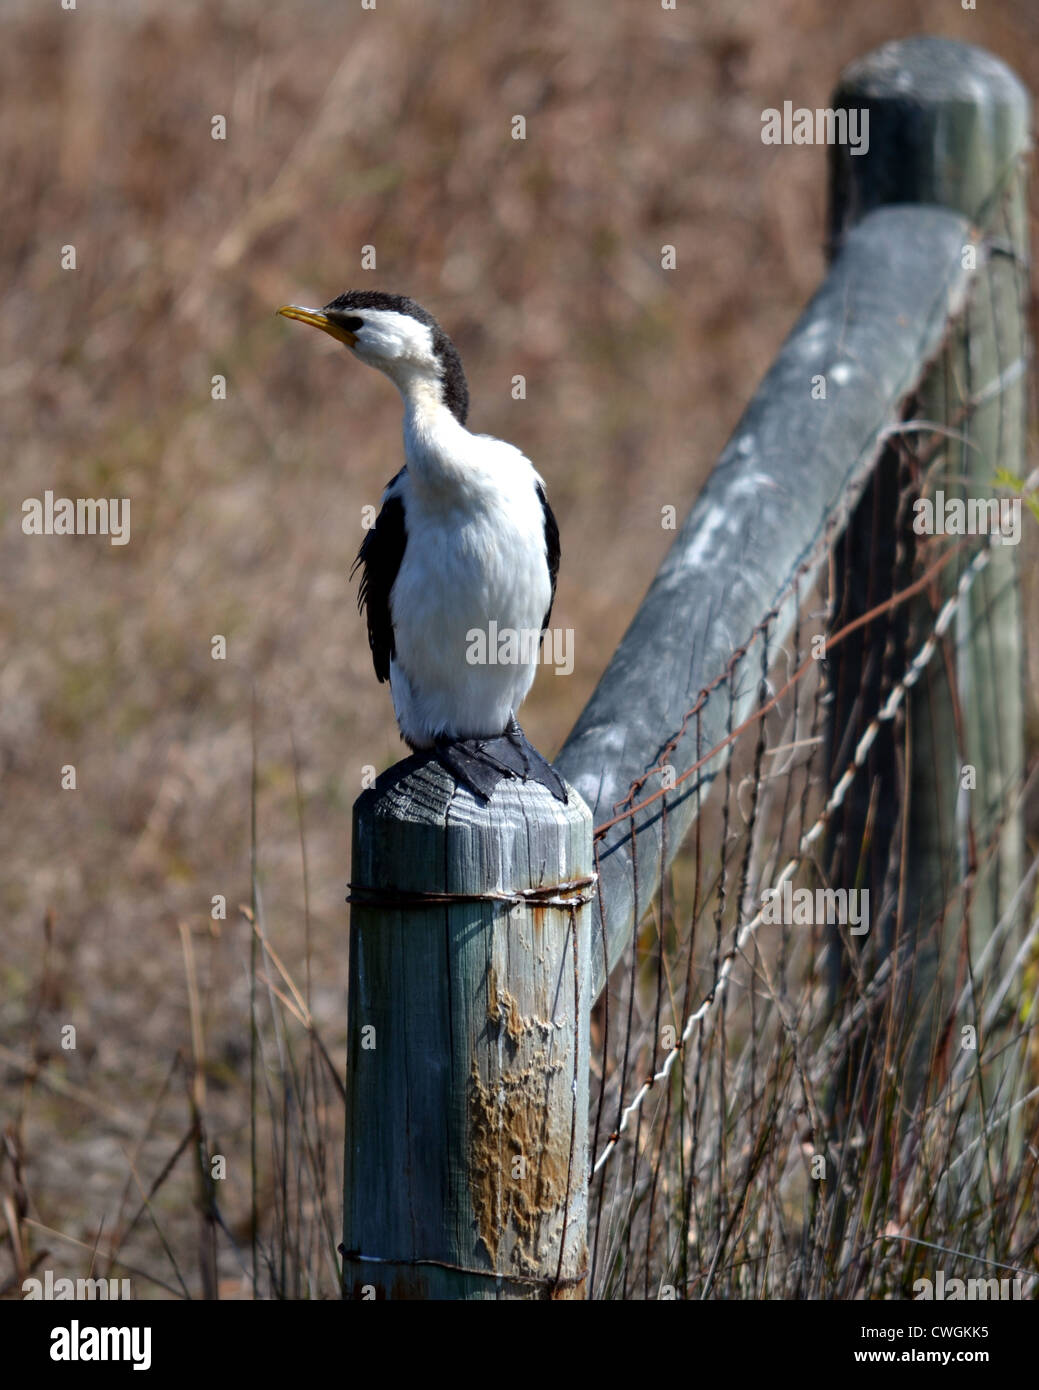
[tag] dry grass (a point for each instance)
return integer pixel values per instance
(344, 128)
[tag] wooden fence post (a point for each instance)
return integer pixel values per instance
(466, 1169)
(948, 125)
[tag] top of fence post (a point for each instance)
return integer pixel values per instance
(948, 124)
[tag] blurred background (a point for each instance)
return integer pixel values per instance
(345, 128)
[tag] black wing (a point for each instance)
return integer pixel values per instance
(551, 549)
(379, 562)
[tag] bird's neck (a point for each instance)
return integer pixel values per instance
(435, 443)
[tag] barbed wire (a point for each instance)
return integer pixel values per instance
(884, 715)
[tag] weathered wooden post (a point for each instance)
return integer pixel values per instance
(467, 1074)
(948, 125)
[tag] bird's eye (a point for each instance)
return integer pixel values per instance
(352, 324)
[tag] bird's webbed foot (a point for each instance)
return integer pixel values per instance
(481, 763)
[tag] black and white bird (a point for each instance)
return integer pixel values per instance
(465, 543)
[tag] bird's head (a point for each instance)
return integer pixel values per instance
(393, 333)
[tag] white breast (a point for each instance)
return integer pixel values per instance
(475, 556)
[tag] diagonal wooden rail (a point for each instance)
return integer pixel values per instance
(784, 484)
(949, 125)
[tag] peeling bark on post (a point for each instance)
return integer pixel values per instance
(467, 1073)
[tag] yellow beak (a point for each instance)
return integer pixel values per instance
(319, 319)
